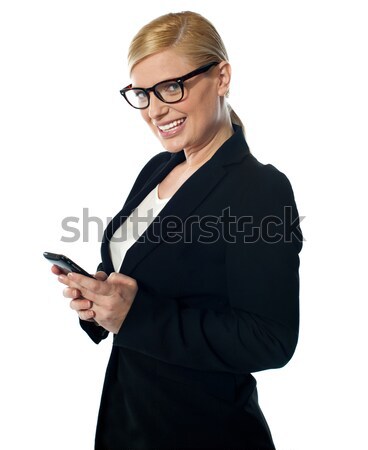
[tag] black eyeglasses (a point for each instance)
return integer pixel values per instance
(168, 91)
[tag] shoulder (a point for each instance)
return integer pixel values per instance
(267, 195)
(268, 172)
(263, 180)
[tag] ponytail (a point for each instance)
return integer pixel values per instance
(235, 118)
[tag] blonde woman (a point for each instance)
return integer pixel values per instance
(199, 275)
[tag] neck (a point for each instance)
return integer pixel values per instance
(196, 157)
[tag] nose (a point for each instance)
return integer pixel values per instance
(157, 108)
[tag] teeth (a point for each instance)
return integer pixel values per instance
(173, 124)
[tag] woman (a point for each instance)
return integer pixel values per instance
(199, 274)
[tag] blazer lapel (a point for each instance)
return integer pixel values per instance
(130, 206)
(180, 206)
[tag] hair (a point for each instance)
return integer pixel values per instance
(189, 34)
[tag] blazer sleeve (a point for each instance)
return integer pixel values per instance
(94, 331)
(259, 328)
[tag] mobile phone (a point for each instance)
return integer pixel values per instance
(65, 264)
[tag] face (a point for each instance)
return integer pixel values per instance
(194, 122)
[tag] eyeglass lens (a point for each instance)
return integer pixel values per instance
(168, 91)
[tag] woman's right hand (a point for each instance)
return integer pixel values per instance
(77, 302)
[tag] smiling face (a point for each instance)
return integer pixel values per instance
(200, 118)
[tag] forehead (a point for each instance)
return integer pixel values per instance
(158, 67)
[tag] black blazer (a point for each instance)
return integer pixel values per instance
(218, 295)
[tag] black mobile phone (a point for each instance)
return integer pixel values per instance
(65, 264)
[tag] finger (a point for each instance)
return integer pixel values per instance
(88, 285)
(56, 270)
(81, 305)
(86, 315)
(71, 293)
(62, 278)
(94, 291)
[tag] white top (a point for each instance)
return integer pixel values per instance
(134, 226)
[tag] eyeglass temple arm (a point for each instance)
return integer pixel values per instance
(198, 71)
(126, 87)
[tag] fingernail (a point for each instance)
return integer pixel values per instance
(61, 277)
(70, 275)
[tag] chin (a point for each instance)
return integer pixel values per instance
(171, 145)
(172, 149)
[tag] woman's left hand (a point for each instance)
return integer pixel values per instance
(110, 299)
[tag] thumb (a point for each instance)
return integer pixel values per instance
(101, 276)
(119, 278)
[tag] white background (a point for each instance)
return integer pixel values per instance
(69, 142)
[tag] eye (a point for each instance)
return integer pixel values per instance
(139, 94)
(169, 91)
(171, 87)
(137, 97)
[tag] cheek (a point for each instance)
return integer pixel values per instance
(204, 112)
(204, 102)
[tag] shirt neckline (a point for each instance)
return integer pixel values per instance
(158, 199)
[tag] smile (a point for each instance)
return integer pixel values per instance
(171, 125)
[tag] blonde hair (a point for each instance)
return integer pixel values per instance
(189, 34)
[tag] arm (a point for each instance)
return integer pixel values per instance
(259, 328)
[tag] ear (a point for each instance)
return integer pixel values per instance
(224, 77)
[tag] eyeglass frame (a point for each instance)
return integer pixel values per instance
(179, 80)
